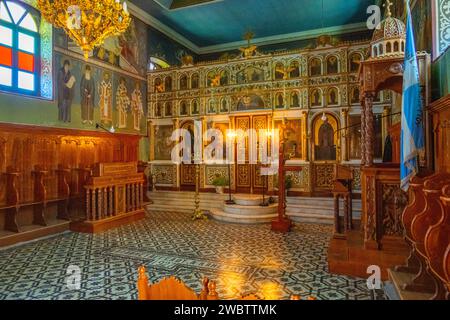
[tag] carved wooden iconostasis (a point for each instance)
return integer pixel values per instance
(294, 88)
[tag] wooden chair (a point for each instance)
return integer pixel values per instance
(173, 289)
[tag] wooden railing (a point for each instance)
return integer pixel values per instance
(427, 230)
(114, 195)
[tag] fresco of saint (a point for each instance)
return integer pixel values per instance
(122, 103)
(66, 83)
(136, 106)
(87, 94)
(105, 90)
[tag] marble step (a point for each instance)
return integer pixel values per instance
(250, 210)
(249, 200)
(220, 215)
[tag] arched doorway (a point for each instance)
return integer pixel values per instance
(325, 150)
(187, 171)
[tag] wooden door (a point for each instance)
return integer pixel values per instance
(248, 175)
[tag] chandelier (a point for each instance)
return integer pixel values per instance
(87, 22)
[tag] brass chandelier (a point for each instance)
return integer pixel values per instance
(87, 22)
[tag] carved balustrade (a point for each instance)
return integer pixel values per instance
(114, 189)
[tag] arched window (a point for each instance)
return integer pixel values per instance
(396, 47)
(19, 48)
(388, 47)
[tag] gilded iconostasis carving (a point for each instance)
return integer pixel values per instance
(292, 89)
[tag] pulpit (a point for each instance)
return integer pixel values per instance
(114, 195)
(381, 238)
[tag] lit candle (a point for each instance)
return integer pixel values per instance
(125, 7)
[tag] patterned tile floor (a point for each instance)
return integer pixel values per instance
(242, 259)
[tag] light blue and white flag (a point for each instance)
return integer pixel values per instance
(412, 135)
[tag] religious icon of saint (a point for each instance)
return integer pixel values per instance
(169, 112)
(295, 101)
(316, 68)
(212, 107)
(355, 60)
(332, 97)
(87, 94)
(122, 102)
(355, 95)
(332, 65)
(195, 108)
(280, 101)
(159, 110)
(224, 107)
(316, 99)
(136, 106)
(183, 109)
(105, 89)
(66, 83)
(194, 81)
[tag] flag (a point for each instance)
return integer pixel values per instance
(412, 133)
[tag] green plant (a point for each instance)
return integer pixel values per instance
(220, 181)
(288, 182)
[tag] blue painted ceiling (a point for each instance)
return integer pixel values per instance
(215, 22)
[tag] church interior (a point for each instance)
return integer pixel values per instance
(224, 150)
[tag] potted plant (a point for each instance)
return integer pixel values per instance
(288, 182)
(220, 182)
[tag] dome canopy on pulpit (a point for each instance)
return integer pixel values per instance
(389, 38)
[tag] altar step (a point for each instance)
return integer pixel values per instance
(183, 201)
(246, 210)
(395, 287)
(317, 210)
(300, 209)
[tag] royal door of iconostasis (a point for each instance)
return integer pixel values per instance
(248, 175)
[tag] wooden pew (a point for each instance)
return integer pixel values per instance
(416, 206)
(429, 217)
(447, 270)
(437, 238)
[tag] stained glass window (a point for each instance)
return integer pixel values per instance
(19, 48)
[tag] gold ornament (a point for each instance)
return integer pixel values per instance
(87, 22)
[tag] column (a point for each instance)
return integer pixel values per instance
(363, 132)
(344, 142)
(111, 203)
(88, 205)
(346, 213)
(386, 123)
(100, 204)
(370, 131)
(337, 229)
